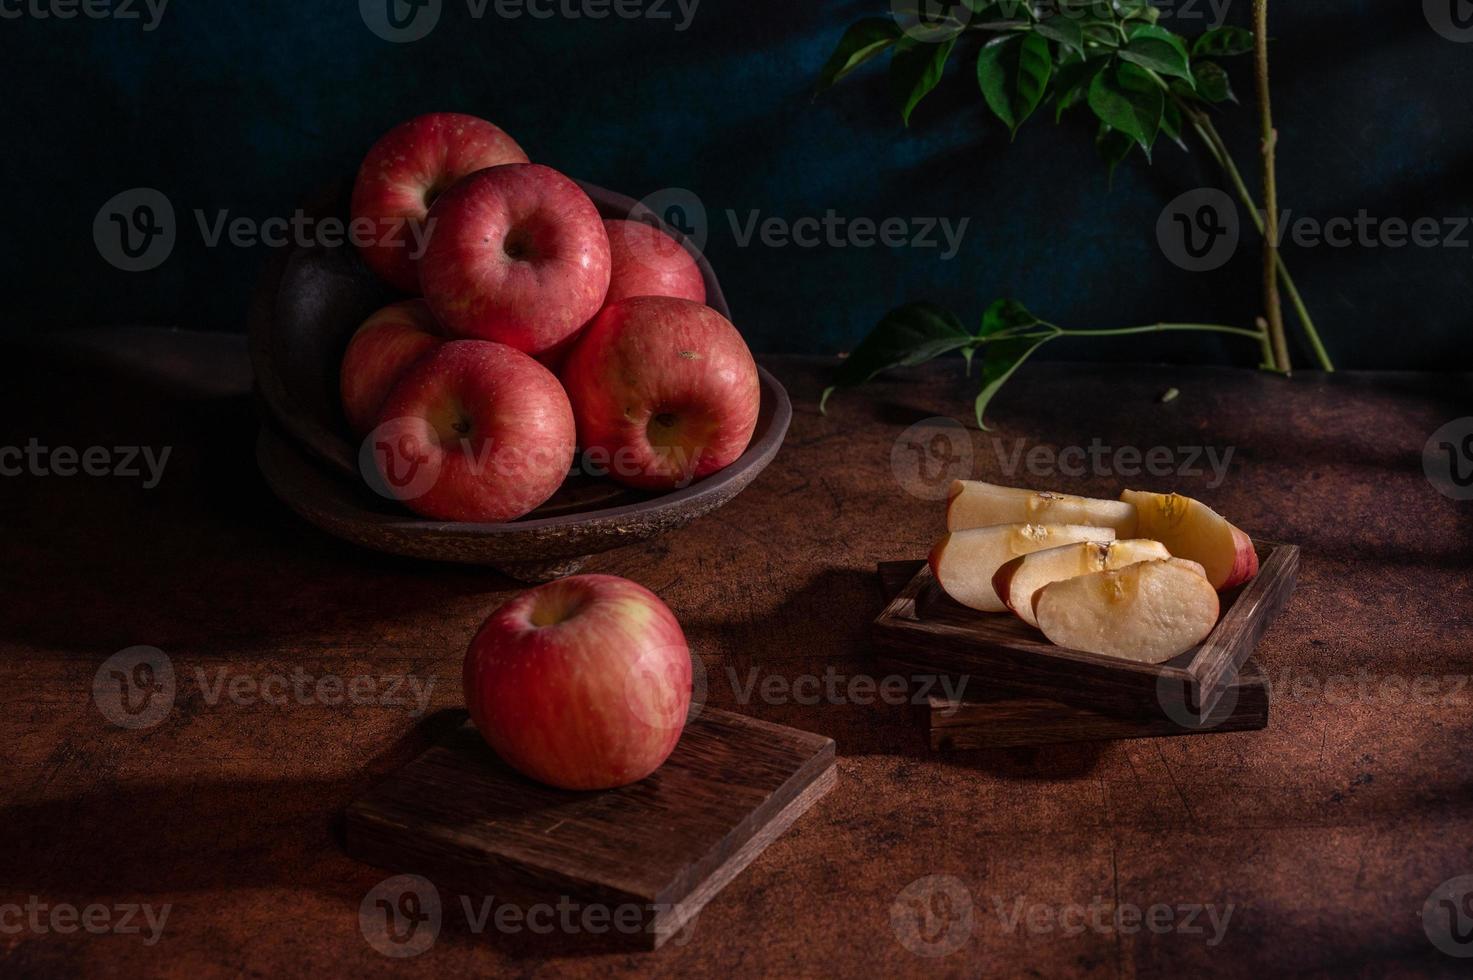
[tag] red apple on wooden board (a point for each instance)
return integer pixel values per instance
(665, 391)
(648, 262)
(1190, 529)
(583, 683)
(965, 563)
(474, 431)
(406, 171)
(973, 503)
(517, 254)
(1019, 581)
(381, 350)
(1147, 612)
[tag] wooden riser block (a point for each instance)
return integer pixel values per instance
(1007, 719)
(459, 817)
(1012, 722)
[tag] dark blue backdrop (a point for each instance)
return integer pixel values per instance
(246, 106)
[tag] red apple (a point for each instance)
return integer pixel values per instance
(648, 262)
(406, 171)
(518, 255)
(583, 683)
(664, 390)
(379, 354)
(475, 431)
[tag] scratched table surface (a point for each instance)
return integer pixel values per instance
(202, 837)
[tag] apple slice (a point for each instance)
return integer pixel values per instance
(1147, 612)
(1018, 582)
(976, 504)
(1191, 529)
(964, 562)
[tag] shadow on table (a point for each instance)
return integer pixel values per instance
(809, 664)
(161, 838)
(106, 562)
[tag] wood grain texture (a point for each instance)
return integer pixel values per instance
(1327, 831)
(1009, 722)
(989, 721)
(666, 845)
(924, 629)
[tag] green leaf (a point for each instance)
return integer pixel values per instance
(907, 335)
(915, 70)
(1013, 74)
(1065, 30)
(1158, 49)
(1223, 42)
(1171, 124)
(1212, 82)
(1124, 97)
(861, 42)
(1006, 314)
(1000, 10)
(1071, 83)
(999, 361)
(1137, 10)
(1102, 32)
(1114, 146)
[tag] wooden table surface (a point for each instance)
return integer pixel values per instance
(1315, 843)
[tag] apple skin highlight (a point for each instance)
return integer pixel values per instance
(582, 684)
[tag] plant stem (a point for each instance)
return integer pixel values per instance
(1050, 331)
(1218, 148)
(1158, 327)
(1270, 138)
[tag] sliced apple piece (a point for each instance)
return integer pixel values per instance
(1018, 582)
(1191, 529)
(964, 562)
(1147, 612)
(976, 504)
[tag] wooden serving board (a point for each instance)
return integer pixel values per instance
(923, 631)
(464, 820)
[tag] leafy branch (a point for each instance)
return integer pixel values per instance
(1140, 82)
(1008, 335)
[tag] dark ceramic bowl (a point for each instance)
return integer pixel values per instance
(309, 303)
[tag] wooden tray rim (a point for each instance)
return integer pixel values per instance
(1203, 680)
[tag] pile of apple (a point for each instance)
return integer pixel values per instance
(1135, 578)
(539, 327)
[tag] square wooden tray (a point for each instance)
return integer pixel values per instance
(465, 821)
(922, 630)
